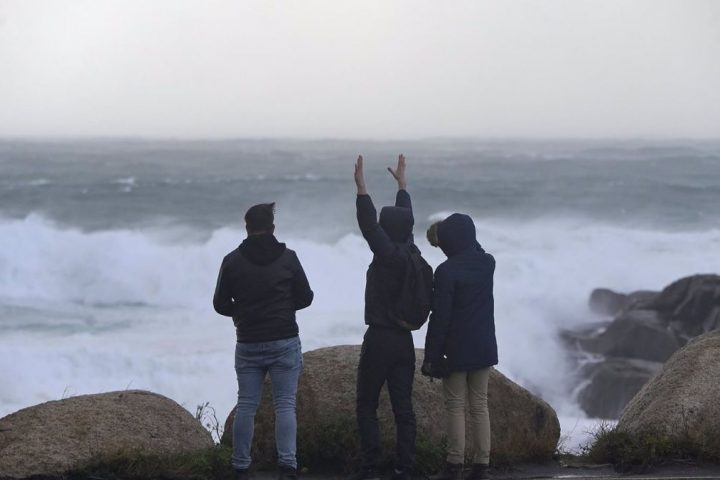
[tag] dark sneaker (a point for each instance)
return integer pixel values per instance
(365, 474)
(479, 472)
(453, 471)
(401, 474)
(287, 473)
(242, 474)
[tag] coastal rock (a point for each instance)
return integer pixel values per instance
(681, 401)
(607, 302)
(604, 301)
(53, 437)
(523, 426)
(637, 334)
(647, 326)
(691, 305)
(613, 383)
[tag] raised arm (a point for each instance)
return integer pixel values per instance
(402, 199)
(377, 239)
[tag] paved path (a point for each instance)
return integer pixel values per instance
(562, 472)
(586, 472)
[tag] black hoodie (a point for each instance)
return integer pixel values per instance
(390, 241)
(260, 285)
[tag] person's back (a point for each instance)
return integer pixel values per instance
(260, 285)
(388, 352)
(261, 276)
(390, 241)
(471, 332)
(461, 337)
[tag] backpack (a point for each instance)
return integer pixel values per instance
(414, 301)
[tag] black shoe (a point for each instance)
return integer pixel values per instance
(287, 473)
(365, 473)
(401, 474)
(479, 472)
(242, 474)
(453, 471)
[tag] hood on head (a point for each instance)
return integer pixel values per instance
(456, 233)
(262, 249)
(397, 222)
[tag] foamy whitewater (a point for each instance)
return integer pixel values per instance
(110, 250)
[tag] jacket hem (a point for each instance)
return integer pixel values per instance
(266, 339)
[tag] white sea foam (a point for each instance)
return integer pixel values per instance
(117, 309)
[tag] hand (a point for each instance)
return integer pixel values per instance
(360, 176)
(399, 172)
(426, 369)
(437, 369)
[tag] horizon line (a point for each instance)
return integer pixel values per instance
(303, 139)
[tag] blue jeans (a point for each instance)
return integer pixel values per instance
(283, 360)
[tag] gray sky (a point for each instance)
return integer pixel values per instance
(365, 69)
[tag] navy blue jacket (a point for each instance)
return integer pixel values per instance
(390, 241)
(462, 323)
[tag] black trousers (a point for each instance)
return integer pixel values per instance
(388, 355)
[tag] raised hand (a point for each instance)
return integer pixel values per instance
(360, 176)
(399, 172)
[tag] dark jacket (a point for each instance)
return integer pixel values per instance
(260, 285)
(390, 241)
(462, 323)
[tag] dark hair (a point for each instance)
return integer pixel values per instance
(260, 218)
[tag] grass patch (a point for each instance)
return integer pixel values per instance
(210, 464)
(637, 453)
(329, 453)
(334, 447)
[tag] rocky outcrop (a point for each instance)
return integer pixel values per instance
(51, 438)
(636, 334)
(646, 330)
(607, 302)
(690, 306)
(523, 426)
(614, 383)
(682, 400)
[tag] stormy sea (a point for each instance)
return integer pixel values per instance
(109, 249)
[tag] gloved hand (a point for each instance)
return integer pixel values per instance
(437, 369)
(426, 368)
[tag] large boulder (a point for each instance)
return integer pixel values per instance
(637, 334)
(647, 326)
(691, 305)
(682, 400)
(523, 426)
(51, 438)
(613, 383)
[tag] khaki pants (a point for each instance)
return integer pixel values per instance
(472, 385)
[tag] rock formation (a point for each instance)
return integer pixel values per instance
(683, 400)
(621, 355)
(523, 426)
(53, 437)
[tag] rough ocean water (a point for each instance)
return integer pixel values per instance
(109, 250)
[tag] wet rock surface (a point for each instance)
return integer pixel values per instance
(643, 329)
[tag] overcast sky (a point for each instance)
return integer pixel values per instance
(365, 69)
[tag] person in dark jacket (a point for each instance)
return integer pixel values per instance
(388, 353)
(461, 339)
(261, 285)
